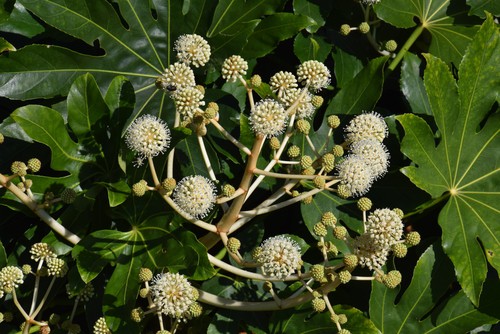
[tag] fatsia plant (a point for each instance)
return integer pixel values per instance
(175, 148)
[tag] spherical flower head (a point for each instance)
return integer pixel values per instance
(34, 165)
(42, 251)
(85, 294)
(305, 108)
(412, 238)
(10, 278)
(192, 49)
(177, 77)
(145, 275)
(234, 67)
(314, 73)
(283, 81)
(100, 326)
(279, 256)
(57, 267)
(148, 136)
(375, 154)
(356, 174)
(384, 227)
(268, 118)
(172, 294)
(188, 101)
(318, 304)
(369, 254)
(366, 126)
(195, 195)
(392, 279)
(364, 204)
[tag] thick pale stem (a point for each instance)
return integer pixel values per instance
(44, 299)
(199, 223)
(206, 159)
(229, 137)
(37, 286)
(30, 203)
(289, 176)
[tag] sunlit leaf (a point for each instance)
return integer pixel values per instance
(463, 166)
(446, 21)
(429, 291)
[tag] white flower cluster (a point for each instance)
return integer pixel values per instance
(195, 195)
(10, 278)
(179, 80)
(268, 118)
(279, 256)
(148, 136)
(383, 229)
(368, 159)
(234, 67)
(173, 294)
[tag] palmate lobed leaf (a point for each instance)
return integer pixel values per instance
(429, 291)
(446, 21)
(464, 164)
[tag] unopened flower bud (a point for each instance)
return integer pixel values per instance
(317, 272)
(268, 286)
(320, 230)
(342, 318)
(168, 184)
(306, 161)
(364, 204)
(338, 151)
(399, 212)
(328, 218)
(413, 238)
(303, 126)
(318, 305)
(307, 200)
(143, 293)
(274, 143)
(319, 182)
(345, 29)
(34, 164)
(333, 121)
(210, 113)
(344, 276)
(145, 275)
(213, 105)
(317, 101)
(391, 45)
(328, 162)
(364, 27)
(26, 268)
(343, 191)
(350, 261)
(255, 80)
(293, 151)
(392, 279)
(233, 245)
(228, 190)
(340, 232)
(68, 195)
(19, 168)
(195, 310)
(137, 314)
(399, 249)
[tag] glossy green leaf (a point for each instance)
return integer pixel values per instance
(428, 305)
(451, 30)
(311, 47)
(412, 85)
(6, 46)
(318, 11)
(479, 7)
(272, 30)
(463, 166)
(304, 320)
(46, 126)
(346, 67)
(360, 93)
(19, 21)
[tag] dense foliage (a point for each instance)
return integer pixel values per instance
(335, 162)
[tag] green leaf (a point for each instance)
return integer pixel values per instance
(451, 30)
(272, 30)
(318, 11)
(3, 256)
(478, 7)
(346, 67)
(429, 290)
(20, 22)
(412, 85)
(46, 126)
(362, 92)
(463, 167)
(311, 48)
(304, 320)
(6, 46)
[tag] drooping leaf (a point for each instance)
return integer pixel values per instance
(446, 21)
(19, 21)
(429, 287)
(318, 11)
(46, 126)
(412, 85)
(463, 166)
